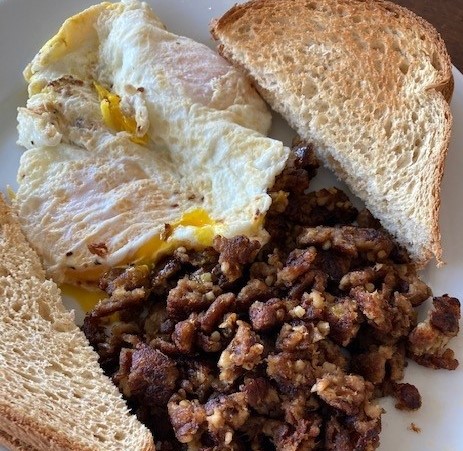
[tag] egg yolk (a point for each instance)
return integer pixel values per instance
(86, 299)
(114, 118)
(205, 230)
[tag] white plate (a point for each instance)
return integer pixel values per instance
(25, 25)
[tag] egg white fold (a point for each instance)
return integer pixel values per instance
(198, 144)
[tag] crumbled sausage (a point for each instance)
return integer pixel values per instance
(184, 335)
(375, 307)
(298, 262)
(210, 343)
(300, 168)
(300, 337)
(267, 315)
(156, 322)
(428, 340)
(299, 406)
(445, 360)
(344, 392)
(407, 396)
(372, 365)
(197, 377)
(352, 433)
(334, 265)
(286, 437)
(403, 318)
(216, 312)
(323, 207)
(316, 280)
(126, 288)
(254, 290)
(414, 289)
(234, 254)
(164, 271)
(190, 295)
(152, 376)
(126, 279)
(398, 362)
(290, 373)
(337, 437)
(331, 354)
(283, 347)
(445, 315)
(367, 275)
(120, 300)
(367, 220)
(224, 415)
(349, 240)
(262, 396)
(187, 418)
(243, 353)
(94, 330)
(344, 320)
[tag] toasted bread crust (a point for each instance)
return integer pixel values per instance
(22, 434)
(32, 434)
(224, 30)
(445, 83)
(13, 444)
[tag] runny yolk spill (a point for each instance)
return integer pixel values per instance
(87, 299)
(114, 118)
(205, 230)
(205, 225)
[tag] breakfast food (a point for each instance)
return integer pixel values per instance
(53, 394)
(368, 83)
(138, 141)
(236, 318)
(284, 347)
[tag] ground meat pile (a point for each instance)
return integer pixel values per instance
(282, 347)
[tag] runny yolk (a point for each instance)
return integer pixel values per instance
(87, 299)
(114, 118)
(205, 230)
(205, 225)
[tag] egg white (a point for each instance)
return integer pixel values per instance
(193, 156)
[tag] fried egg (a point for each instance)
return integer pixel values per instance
(138, 141)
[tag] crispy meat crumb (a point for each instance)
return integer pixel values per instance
(428, 340)
(284, 347)
(407, 395)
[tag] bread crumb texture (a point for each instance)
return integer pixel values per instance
(53, 394)
(368, 83)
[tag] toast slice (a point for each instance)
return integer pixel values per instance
(53, 393)
(13, 444)
(368, 82)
